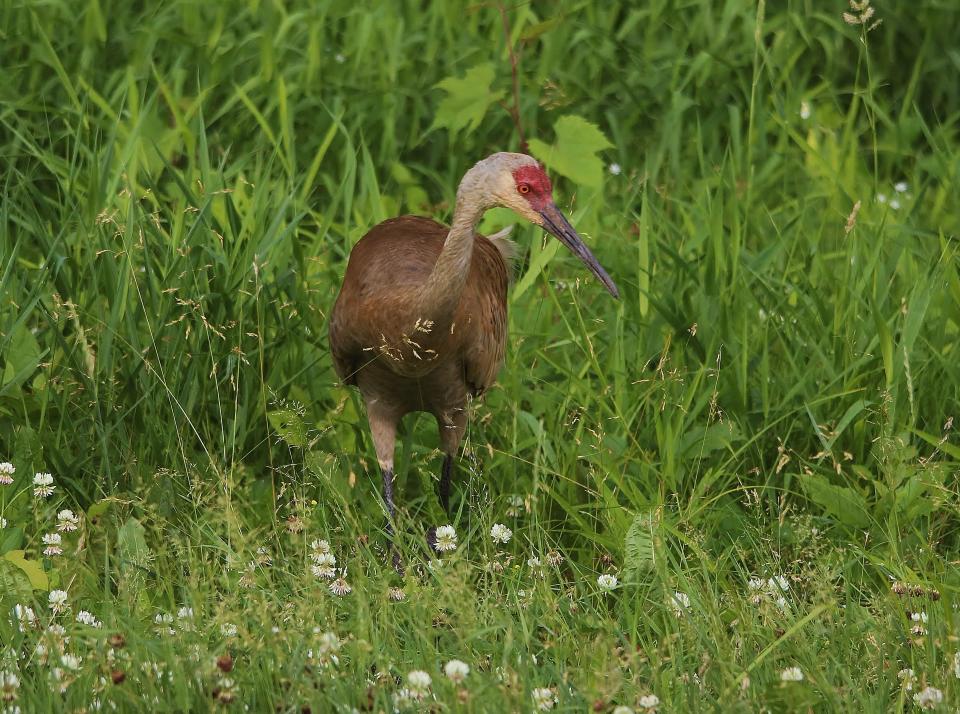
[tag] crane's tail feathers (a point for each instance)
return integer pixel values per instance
(508, 249)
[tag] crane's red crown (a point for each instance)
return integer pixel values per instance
(534, 185)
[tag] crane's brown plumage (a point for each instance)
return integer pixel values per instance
(420, 323)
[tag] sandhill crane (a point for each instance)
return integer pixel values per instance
(420, 321)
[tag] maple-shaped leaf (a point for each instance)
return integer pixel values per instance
(467, 99)
(574, 151)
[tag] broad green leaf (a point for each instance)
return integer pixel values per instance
(132, 544)
(11, 540)
(844, 504)
(13, 581)
(289, 425)
(638, 545)
(467, 99)
(31, 568)
(574, 151)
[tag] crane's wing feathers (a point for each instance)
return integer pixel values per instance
(385, 268)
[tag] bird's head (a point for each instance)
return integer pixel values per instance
(519, 182)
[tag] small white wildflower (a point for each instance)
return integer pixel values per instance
(623, 709)
(778, 582)
(791, 674)
(404, 696)
(52, 542)
(320, 546)
(228, 629)
(907, 677)
(919, 617)
(649, 701)
(544, 699)
(67, 521)
(456, 670)
(396, 594)
(680, 602)
(901, 187)
(340, 587)
(895, 204)
(515, 505)
(781, 603)
(25, 615)
(43, 485)
(804, 110)
(419, 681)
(555, 558)
(607, 581)
(755, 584)
(324, 565)
(446, 539)
(956, 665)
(7, 470)
(534, 562)
(928, 698)
(434, 565)
(87, 618)
(500, 533)
(340, 58)
(3, 522)
(614, 169)
(70, 661)
(57, 599)
(185, 613)
(9, 684)
(881, 198)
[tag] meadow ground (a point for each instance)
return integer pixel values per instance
(757, 442)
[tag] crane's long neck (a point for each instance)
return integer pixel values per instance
(440, 296)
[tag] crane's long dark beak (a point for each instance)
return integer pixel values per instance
(558, 225)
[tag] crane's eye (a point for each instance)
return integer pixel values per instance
(524, 188)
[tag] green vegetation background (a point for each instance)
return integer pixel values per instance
(181, 184)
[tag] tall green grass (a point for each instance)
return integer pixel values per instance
(774, 394)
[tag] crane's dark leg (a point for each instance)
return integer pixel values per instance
(446, 474)
(383, 428)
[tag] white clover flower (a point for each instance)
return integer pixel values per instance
(649, 701)
(919, 617)
(456, 670)
(3, 522)
(446, 539)
(544, 699)
(419, 680)
(405, 696)
(907, 678)
(500, 533)
(52, 541)
(7, 470)
(185, 613)
(778, 582)
(614, 169)
(25, 615)
(87, 618)
(956, 665)
(928, 698)
(320, 546)
(58, 631)
(43, 485)
(340, 58)
(57, 599)
(9, 684)
(804, 110)
(67, 521)
(324, 565)
(607, 581)
(623, 709)
(534, 562)
(895, 204)
(396, 594)
(329, 642)
(680, 602)
(901, 187)
(70, 661)
(791, 674)
(881, 198)
(340, 587)
(555, 558)
(755, 584)
(228, 629)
